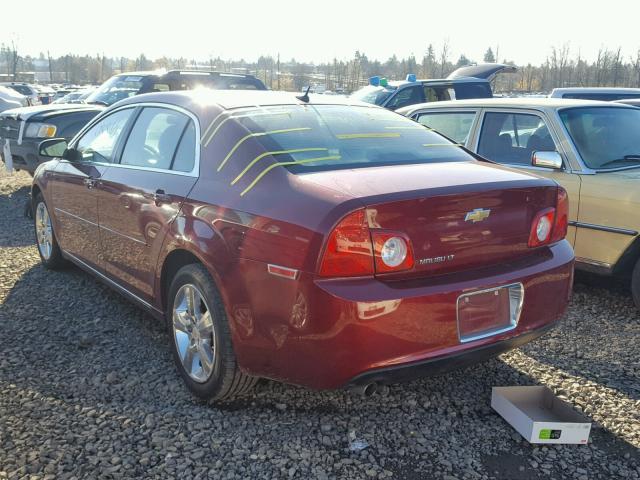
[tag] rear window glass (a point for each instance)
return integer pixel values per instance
(305, 138)
(472, 90)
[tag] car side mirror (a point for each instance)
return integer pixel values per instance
(546, 160)
(53, 147)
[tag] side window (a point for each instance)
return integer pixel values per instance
(455, 125)
(406, 96)
(512, 137)
(99, 142)
(438, 94)
(473, 90)
(160, 87)
(184, 159)
(154, 138)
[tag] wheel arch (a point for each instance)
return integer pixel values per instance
(174, 261)
(625, 263)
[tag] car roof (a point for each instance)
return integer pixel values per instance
(232, 99)
(435, 81)
(594, 90)
(163, 73)
(521, 102)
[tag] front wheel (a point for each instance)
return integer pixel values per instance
(48, 248)
(200, 337)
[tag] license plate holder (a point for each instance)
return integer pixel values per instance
(489, 312)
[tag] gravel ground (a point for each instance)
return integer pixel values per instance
(88, 390)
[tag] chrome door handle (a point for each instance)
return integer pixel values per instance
(90, 182)
(159, 197)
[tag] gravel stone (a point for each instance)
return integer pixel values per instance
(88, 389)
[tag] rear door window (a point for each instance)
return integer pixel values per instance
(185, 157)
(511, 138)
(473, 90)
(439, 94)
(154, 138)
(455, 125)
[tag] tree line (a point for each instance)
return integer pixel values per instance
(562, 68)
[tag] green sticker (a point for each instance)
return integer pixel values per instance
(548, 434)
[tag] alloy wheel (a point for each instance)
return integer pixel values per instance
(193, 333)
(44, 232)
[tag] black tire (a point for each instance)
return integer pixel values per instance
(635, 284)
(55, 260)
(226, 379)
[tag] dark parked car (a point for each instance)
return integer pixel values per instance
(466, 82)
(27, 127)
(324, 244)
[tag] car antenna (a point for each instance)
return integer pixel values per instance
(304, 98)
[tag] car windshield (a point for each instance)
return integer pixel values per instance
(373, 95)
(329, 137)
(116, 89)
(23, 89)
(606, 137)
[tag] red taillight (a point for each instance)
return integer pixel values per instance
(550, 225)
(392, 252)
(542, 227)
(562, 216)
(353, 249)
(349, 252)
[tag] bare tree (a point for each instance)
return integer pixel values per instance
(444, 57)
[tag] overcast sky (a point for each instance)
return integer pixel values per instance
(319, 30)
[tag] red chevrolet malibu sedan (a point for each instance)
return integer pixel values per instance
(312, 241)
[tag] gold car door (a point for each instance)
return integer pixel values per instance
(606, 219)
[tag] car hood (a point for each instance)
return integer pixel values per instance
(25, 113)
(485, 71)
(401, 180)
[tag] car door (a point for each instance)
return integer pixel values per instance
(511, 136)
(142, 194)
(74, 185)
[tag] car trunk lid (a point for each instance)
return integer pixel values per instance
(458, 216)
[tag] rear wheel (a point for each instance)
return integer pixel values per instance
(200, 337)
(635, 284)
(48, 248)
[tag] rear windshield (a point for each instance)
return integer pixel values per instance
(373, 95)
(311, 138)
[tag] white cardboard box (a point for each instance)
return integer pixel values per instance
(539, 416)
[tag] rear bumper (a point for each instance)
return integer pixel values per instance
(438, 365)
(333, 333)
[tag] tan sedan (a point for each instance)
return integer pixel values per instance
(591, 148)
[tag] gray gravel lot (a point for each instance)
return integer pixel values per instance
(88, 390)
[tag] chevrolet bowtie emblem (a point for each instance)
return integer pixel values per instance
(477, 215)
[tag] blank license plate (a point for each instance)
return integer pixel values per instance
(489, 312)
